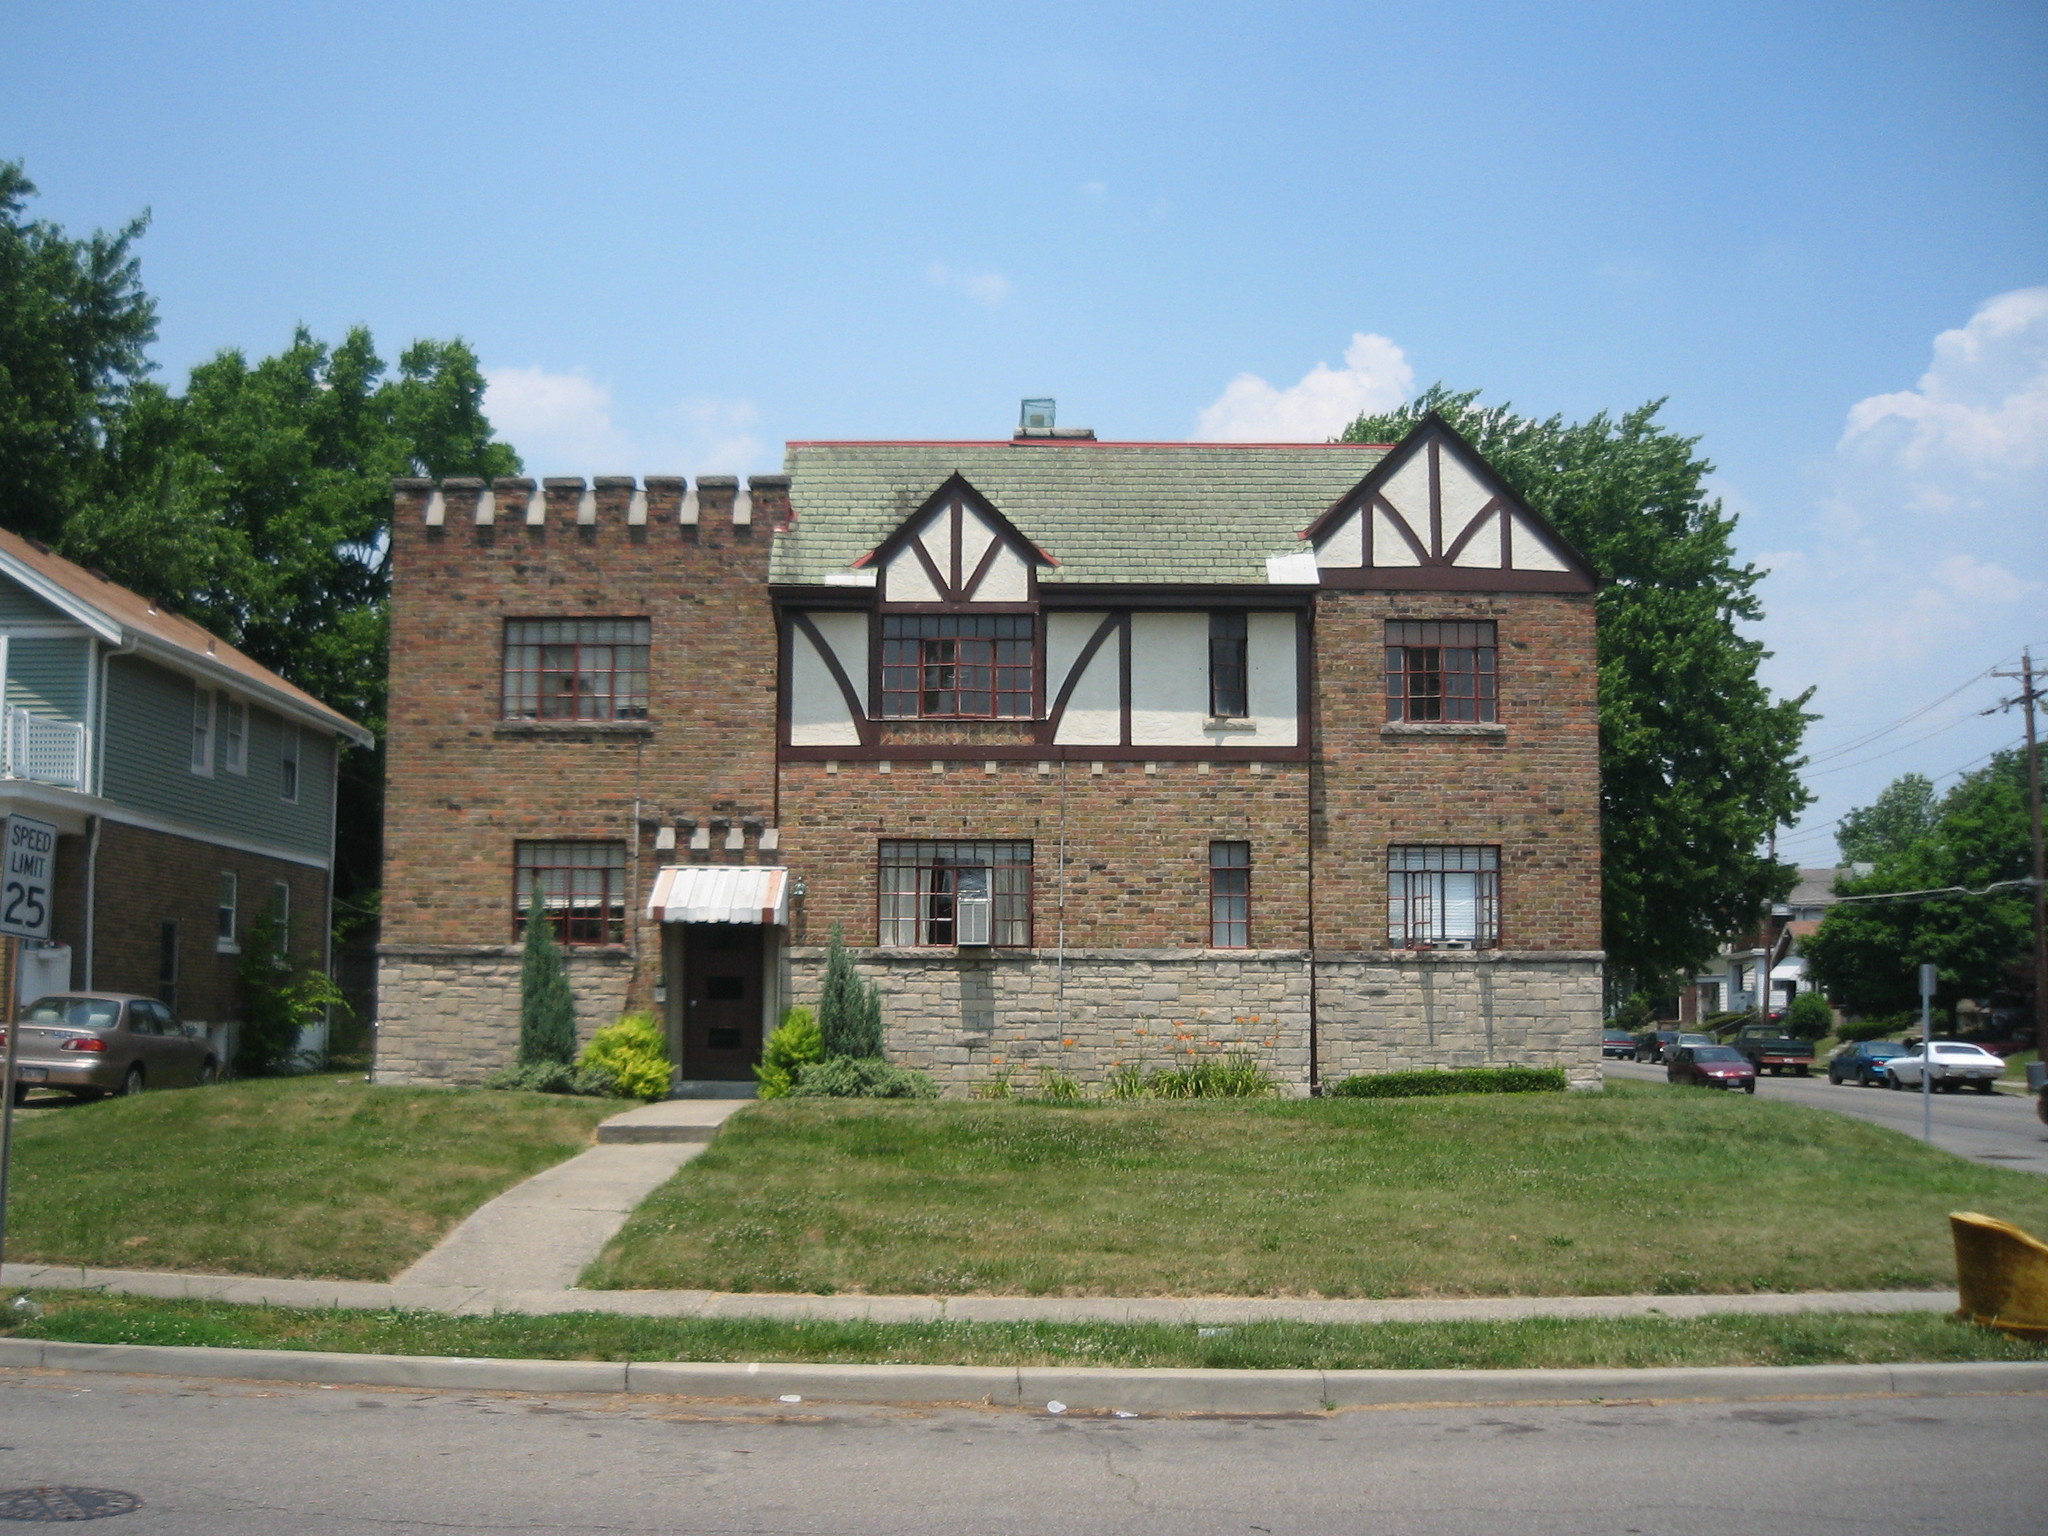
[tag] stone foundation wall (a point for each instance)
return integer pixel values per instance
(451, 1015)
(969, 1021)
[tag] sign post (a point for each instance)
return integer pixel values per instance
(28, 870)
(1929, 976)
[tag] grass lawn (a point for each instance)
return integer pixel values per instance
(1642, 1188)
(1644, 1341)
(317, 1177)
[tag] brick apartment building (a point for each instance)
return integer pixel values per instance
(1094, 751)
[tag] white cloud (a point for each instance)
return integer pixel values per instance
(567, 424)
(1375, 377)
(1928, 553)
(989, 288)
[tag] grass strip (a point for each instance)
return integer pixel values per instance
(1641, 1189)
(1811, 1339)
(311, 1177)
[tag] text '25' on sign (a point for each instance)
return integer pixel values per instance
(30, 870)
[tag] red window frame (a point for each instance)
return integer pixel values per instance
(1230, 895)
(1426, 887)
(1443, 672)
(959, 666)
(916, 881)
(575, 669)
(583, 890)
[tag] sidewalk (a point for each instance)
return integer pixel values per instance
(485, 1300)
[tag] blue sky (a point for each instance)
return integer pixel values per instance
(680, 234)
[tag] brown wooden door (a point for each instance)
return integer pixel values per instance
(721, 1001)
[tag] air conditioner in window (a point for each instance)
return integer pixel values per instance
(973, 909)
(1450, 944)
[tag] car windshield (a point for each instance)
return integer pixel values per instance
(77, 1012)
(1716, 1053)
(1883, 1050)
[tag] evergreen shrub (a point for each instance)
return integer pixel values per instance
(547, 1008)
(634, 1053)
(797, 1042)
(1809, 1017)
(860, 1077)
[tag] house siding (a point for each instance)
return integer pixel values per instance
(49, 677)
(18, 605)
(147, 765)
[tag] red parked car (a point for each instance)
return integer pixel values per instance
(1711, 1066)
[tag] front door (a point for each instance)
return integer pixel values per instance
(721, 1001)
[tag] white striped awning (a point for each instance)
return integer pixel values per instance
(720, 893)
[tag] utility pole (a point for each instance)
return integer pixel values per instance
(2029, 695)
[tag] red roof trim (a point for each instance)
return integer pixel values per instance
(1044, 442)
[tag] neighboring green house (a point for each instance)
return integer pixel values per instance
(191, 788)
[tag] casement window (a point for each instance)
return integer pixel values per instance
(167, 964)
(958, 666)
(225, 913)
(1443, 897)
(1441, 672)
(582, 886)
(202, 730)
(234, 734)
(575, 669)
(1229, 667)
(938, 893)
(1230, 895)
(288, 762)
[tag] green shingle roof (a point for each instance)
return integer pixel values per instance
(1108, 512)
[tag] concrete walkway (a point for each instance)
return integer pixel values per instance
(540, 1235)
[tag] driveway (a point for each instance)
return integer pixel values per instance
(2001, 1131)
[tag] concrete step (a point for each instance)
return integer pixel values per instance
(670, 1120)
(713, 1088)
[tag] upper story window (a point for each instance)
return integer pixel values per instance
(930, 893)
(202, 730)
(1229, 667)
(958, 666)
(576, 669)
(288, 762)
(234, 735)
(582, 889)
(1443, 897)
(1441, 671)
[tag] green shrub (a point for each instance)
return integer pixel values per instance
(796, 1042)
(634, 1052)
(1060, 1088)
(547, 1008)
(282, 993)
(860, 1077)
(1809, 1017)
(1416, 1085)
(849, 1009)
(1876, 1029)
(1726, 1022)
(556, 1077)
(1236, 1076)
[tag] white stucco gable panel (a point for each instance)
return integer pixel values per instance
(975, 538)
(904, 579)
(1007, 580)
(1389, 545)
(1343, 548)
(1169, 678)
(1274, 692)
(1482, 549)
(818, 714)
(1407, 492)
(1463, 492)
(1529, 550)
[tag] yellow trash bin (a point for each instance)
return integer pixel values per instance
(2001, 1273)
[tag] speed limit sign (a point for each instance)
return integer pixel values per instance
(26, 875)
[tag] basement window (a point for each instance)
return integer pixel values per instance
(1443, 897)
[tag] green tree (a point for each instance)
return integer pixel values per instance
(1900, 816)
(849, 1009)
(547, 1008)
(1698, 763)
(74, 321)
(1867, 954)
(282, 993)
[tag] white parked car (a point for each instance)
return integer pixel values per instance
(1954, 1065)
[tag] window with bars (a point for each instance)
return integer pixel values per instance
(1230, 895)
(1441, 671)
(958, 666)
(582, 886)
(1229, 666)
(1443, 898)
(922, 885)
(576, 669)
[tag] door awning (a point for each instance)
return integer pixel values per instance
(717, 893)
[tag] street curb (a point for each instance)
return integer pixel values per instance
(1076, 1388)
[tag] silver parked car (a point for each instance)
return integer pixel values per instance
(1955, 1064)
(97, 1043)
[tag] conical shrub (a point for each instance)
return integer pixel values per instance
(547, 1008)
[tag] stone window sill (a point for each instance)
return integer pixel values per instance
(226, 947)
(573, 729)
(1229, 723)
(1492, 730)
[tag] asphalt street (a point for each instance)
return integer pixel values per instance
(2000, 1131)
(224, 1459)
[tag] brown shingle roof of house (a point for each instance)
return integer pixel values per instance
(125, 614)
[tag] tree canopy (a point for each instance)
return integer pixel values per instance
(1897, 819)
(1867, 954)
(1698, 763)
(74, 322)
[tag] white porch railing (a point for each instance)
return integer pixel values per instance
(39, 748)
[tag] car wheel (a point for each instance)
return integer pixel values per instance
(132, 1083)
(1987, 1086)
(1834, 1080)
(208, 1075)
(1750, 1086)
(21, 1093)
(1799, 1071)
(1891, 1080)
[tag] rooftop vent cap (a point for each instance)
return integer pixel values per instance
(1037, 416)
